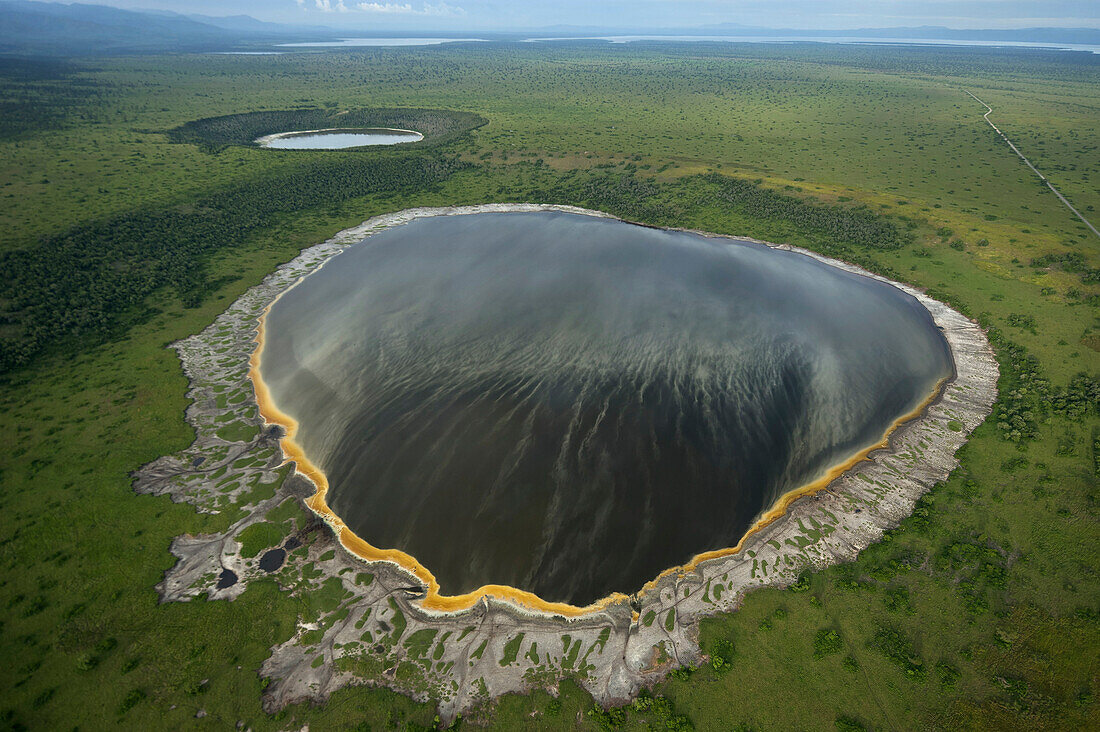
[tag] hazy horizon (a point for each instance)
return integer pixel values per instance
(652, 15)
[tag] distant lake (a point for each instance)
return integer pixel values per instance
(847, 40)
(349, 42)
(337, 139)
(570, 405)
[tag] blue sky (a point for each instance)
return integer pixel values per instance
(504, 14)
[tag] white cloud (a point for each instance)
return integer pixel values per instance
(408, 9)
(329, 6)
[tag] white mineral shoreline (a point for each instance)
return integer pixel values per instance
(813, 531)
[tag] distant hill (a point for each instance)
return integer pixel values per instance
(248, 24)
(57, 29)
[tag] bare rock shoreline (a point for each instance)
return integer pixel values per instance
(367, 626)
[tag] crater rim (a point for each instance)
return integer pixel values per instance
(433, 600)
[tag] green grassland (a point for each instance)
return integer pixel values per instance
(981, 611)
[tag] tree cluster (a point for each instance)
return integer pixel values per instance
(855, 225)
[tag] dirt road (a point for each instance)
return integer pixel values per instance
(1033, 168)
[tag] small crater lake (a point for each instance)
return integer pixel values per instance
(337, 139)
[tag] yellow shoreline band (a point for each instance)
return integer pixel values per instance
(436, 601)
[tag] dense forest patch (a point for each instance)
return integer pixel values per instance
(82, 284)
(40, 94)
(437, 125)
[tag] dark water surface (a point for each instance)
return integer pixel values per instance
(570, 405)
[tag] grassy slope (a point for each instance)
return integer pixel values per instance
(80, 552)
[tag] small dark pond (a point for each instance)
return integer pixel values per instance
(227, 578)
(272, 559)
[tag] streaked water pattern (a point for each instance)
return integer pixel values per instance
(570, 405)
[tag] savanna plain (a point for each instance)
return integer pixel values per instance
(124, 231)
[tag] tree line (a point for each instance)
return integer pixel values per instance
(855, 225)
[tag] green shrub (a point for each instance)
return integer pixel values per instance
(827, 642)
(900, 651)
(254, 538)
